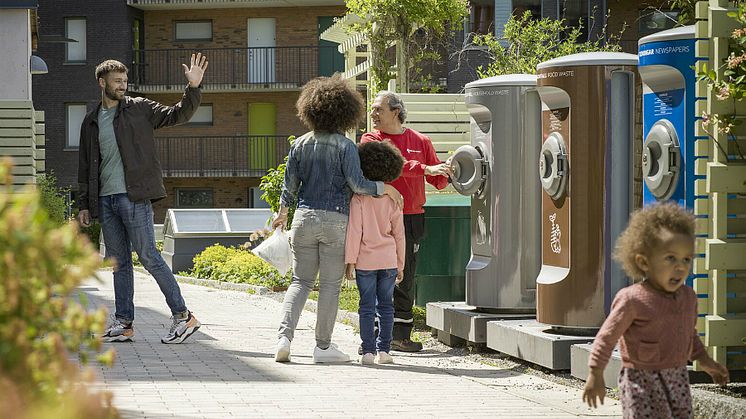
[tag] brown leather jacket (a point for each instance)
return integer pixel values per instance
(134, 123)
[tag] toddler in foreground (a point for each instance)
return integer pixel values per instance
(654, 320)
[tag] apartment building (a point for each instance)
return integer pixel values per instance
(260, 54)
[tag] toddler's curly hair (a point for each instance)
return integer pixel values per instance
(330, 104)
(380, 161)
(642, 234)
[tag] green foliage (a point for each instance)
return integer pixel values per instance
(271, 184)
(396, 21)
(41, 265)
(686, 10)
(530, 41)
(236, 265)
(52, 198)
(728, 81)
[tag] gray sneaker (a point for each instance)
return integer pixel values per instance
(118, 331)
(181, 329)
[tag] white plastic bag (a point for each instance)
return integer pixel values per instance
(276, 251)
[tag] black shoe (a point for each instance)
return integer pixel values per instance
(406, 345)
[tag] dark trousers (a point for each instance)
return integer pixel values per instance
(414, 230)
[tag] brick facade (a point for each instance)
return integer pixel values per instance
(108, 33)
(74, 83)
(230, 113)
(227, 193)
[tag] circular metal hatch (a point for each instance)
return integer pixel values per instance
(661, 160)
(553, 166)
(470, 168)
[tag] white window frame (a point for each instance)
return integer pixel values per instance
(192, 26)
(201, 115)
(72, 131)
(79, 47)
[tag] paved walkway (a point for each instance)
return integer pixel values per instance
(227, 370)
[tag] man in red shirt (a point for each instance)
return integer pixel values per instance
(388, 113)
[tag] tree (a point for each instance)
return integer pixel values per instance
(528, 41)
(395, 22)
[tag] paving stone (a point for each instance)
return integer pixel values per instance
(227, 370)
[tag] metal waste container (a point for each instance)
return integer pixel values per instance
(586, 168)
(498, 172)
(666, 68)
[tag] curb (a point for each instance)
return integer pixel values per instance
(708, 404)
(211, 283)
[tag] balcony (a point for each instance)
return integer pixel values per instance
(239, 156)
(235, 69)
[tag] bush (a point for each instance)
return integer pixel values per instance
(52, 198)
(41, 328)
(237, 265)
(271, 184)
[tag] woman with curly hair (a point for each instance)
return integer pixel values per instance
(322, 172)
(374, 251)
(654, 318)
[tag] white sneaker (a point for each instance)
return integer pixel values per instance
(329, 355)
(384, 358)
(367, 359)
(283, 350)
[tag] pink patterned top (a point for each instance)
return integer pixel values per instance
(657, 329)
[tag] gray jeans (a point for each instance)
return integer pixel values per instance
(317, 238)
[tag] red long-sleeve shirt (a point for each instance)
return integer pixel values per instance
(418, 152)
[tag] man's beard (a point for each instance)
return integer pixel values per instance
(112, 94)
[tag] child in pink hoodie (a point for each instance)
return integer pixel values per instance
(653, 320)
(374, 250)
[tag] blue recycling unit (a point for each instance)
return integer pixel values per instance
(666, 67)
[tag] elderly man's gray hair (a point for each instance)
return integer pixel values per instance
(395, 102)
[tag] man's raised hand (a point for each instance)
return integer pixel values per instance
(196, 69)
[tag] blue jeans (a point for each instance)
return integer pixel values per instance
(127, 225)
(376, 296)
(317, 238)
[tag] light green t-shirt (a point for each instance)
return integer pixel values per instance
(112, 170)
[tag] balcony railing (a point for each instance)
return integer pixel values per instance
(258, 68)
(240, 156)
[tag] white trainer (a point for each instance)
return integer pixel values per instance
(283, 350)
(367, 359)
(384, 358)
(331, 354)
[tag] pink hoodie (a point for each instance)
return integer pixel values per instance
(375, 234)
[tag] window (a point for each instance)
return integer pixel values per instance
(652, 20)
(194, 198)
(255, 198)
(203, 115)
(522, 6)
(75, 52)
(481, 17)
(575, 12)
(193, 31)
(75, 113)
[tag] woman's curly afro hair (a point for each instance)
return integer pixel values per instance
(380, 161)
(330, 104)
(643, 233)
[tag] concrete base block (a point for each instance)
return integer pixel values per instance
(532, 341)
(464, 321)
(450, 340)
(579, 355)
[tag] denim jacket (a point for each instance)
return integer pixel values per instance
(323, 171)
